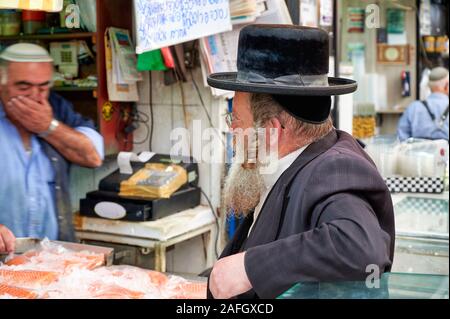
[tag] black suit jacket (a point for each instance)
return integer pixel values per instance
(328, 217)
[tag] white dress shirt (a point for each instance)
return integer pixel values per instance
(271, 179)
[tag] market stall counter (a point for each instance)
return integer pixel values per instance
(153, 236)
(390, 286)
(422, 230)
(44, 269)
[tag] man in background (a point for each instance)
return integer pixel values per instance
(428, 119)
(40, 137)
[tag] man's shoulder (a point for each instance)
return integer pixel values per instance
(343, 159)
(345, 167)
(58, 102)
(63, 111)
(415, 106)
(346, 154)
(62, 108)
(346, 146)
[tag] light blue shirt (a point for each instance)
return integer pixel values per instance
(27, 205)
(416, 121)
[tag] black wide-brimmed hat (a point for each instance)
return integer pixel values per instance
(288, 62)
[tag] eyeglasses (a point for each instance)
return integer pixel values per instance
(229, 118)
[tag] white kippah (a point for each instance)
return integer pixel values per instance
(26, 52)
(438, 74)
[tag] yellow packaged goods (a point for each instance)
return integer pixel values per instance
(364, 126)
(154, 181)
(429, 44)
(441, 44)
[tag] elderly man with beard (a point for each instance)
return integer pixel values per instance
(325, 213)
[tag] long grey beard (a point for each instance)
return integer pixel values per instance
(243, 188)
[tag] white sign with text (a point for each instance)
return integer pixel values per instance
(162, 23)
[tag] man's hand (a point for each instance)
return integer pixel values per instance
(7, 240)
(34, 116)
(228, 277)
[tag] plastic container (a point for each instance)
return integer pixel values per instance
(429, 43)
(10, 22)
(383, 151)
(441, 44)
(30, 15)
(423, 158)
(32, 27)
(33, 21)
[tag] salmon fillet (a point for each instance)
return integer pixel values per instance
(57, 261)
(146, 283)
(191, 290)
(17, 292)
(27, 278)
(111, 291)
(157, 278)
(85, 260)
(22, 259)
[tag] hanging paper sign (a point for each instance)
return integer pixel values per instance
(326, 13)
(425, 17)
(162, 23)
(308, 13)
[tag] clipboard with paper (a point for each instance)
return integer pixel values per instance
(121, 73)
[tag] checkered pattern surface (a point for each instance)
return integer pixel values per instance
(423, 206)
(422, 215)
(426, 185)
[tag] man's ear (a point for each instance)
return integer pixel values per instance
(3, 76)
(274, 123)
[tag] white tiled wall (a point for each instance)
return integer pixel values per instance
(168, 114)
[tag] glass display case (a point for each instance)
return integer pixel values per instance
(391, 286)
(420, 269)
(422, 228)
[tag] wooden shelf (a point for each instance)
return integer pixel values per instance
(90, 101)
(55, 36)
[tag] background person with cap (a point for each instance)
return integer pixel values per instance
(325, 214)
(40, 136)
(428, 119)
